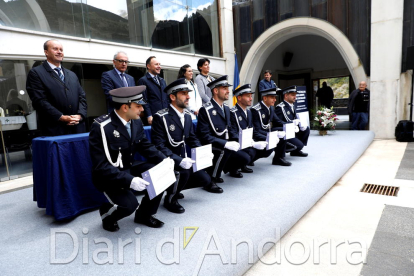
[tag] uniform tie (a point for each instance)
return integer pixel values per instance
(128, 128)
(124, 80)
(59, 72)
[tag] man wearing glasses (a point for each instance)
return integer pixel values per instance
(116, 77)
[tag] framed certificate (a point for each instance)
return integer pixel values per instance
(290, 130)
(201, 156)
(272, 140)
(246, 138)
(160, 178)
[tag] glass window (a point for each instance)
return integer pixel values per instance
(340, 86)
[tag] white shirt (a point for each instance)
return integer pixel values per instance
(268, 108)
(180, 114)
(221, 106)
(122, 119)
(53, 68)
(195, 101)
(244, 110)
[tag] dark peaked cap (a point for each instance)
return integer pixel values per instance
(222, 81)
(289, 89)
(247, 88)
(125, 95)
(177, 86)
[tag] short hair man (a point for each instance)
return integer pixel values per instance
(116, 77)
(358, 107)
(113, 141)
(56, 94)
(286, 111)
(214, 127)
(325, 95)
(154, 94)
(267, 82)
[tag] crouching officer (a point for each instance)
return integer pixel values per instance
(265, 120)
(286, 111)
(172, 130)
(214, 128)
(241, 118)
(113, 141)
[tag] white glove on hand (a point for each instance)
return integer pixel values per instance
(186, 163)
(172, 163)
(259, 145)
(211, 155)
(232, 145)
(138, 184)
(296, 122)
(303, 128)
(281, 134)
(296, 129)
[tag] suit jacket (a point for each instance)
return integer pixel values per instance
(118, 140)
(238, 118)
(52, 98)
(176, 131)
(203, 89)
(264, 84)
(154, 95)
(285, 112)
(206, 131)
(263, 117)
(111, 80)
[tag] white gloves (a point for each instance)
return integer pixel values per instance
(186, 163)
(232, 145)
(259, 145)
(171, 163)
(138, 184)
(303, 128)
(296, 129)
(296, 122)
(281, 134)
(211, 155)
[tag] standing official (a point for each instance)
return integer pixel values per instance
(116, 77)
(265, 120)
(214, 127)
(358, 107)
(172, 131)
(241, 119)
(286, 111)
(56, 94)
(113, 141)
(267, 82)
(153, 95)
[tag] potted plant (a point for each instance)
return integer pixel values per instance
(325, 119)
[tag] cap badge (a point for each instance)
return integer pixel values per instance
(263, 116)
(214, 112)
(172, 127)
(240, 118)
(116, 134)
(288, 113)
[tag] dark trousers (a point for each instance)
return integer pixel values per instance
(188, 180)
(123, 202)
(228, 160)
(301, 139)
(255, 154)
(359, 120)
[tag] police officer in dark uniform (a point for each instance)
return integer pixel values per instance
(241, 118)
(214, 128)
(265, 120)
(286, 111)
(172, 130)
(113, 141)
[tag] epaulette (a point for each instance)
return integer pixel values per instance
(186, 111)
(225, 104)
(103, 120)
(162, 112)
(208, 106)
(282, 104)
(257, 106)
(233, 109)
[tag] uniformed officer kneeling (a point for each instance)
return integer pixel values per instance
(172, 131)
(113, 141)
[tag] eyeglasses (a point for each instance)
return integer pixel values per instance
(122, 61)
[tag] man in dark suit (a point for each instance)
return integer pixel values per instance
(113, 141)
(214, 127)
(172, 131)
(286, 111)
(153, 95)
(241, 119)
(265, 120)
(116, 77)
(56, 94)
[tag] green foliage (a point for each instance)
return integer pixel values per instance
(340, 86)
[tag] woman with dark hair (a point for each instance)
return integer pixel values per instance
(195, 101)
(203, 65)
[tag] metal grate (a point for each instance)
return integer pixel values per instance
(380, 189)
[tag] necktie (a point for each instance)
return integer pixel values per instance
(156, 80)
(124, 80)
(128, 128)
(59, 71)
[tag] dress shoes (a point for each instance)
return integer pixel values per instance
(213, 188)
(246, 170)
(180, 196)
(109, 225)
(281, 161)
(150, 221)
(251, 164)
(174, 207)
(217, 179)
(236, 174)
(298, 153)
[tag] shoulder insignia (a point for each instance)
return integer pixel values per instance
(208, 106)
(225, 104)
(233, 109)
(282, 104)
(186, 111)
(257, 106)
(103, 120)
(162, 112)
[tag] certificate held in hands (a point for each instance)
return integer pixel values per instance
(246, 138)
(303, 118)
(290, 130)
(272, 140)
(160, 178)
(202, 157)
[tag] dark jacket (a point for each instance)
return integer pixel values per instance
(263, 117)
(111, 80)
(285, 112)
(52, 98)
(154, 95)
(104, 173)
(238, 118)
(264, 84)
(351, 100)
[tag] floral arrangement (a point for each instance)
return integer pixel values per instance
(325, 119)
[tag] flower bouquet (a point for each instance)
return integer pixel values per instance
(325, 119)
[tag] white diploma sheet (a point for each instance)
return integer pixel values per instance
(304, 118)
(160, 178)
(272, 140)
(290, 130)
(246, 138)
(201, 156)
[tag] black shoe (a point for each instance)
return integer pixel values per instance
(298, 153)
(246, 170)
(213, 188)
(109, 225)
(236, 174)
(281, 161)
(251, 164)
(174, 207)
(180, 196)
(217, 179)
(150, 221)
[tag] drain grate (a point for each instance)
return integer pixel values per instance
(380, 189)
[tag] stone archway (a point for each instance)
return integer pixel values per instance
(264, 45)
